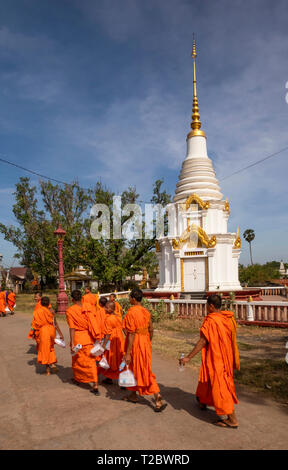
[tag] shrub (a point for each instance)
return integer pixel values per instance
(158, 311)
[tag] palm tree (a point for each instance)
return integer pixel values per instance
(249, 236)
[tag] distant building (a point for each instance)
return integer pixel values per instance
(282, 271)
(16, 278)
(80, 278)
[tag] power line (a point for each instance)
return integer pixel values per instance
(31, 171)
(2, 160)
(254, 164)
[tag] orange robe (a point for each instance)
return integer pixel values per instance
(216, 386)
(118, 310)
(33, 333)
(11, 301)
(136, 321)
(87, 331)
(113, 327)
(100, 315)
(91, 299)
(46, 333)
(3, 302)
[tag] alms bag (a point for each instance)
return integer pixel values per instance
(127, 379)
(104, 363)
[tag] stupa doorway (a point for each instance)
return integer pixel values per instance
(194, 274)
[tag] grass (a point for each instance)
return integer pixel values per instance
(25, 303)
(173, 347)
(259, 372)
(245, 346)
(265, 376)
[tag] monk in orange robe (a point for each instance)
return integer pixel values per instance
(138, 327)
(11, 301)
(37, 298)
(3, 302)
(219, 356)
(91, 299)
(101, 314)
(45, 324)
(118, 308)
(113, 333)
(84, 330)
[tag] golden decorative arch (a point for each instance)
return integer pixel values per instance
(194, 198)
(202, 235)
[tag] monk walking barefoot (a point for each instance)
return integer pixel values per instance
(138, 327)
(219, 356)
(34, 332)
(46, 325)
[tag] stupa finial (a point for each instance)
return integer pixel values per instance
(196, 123)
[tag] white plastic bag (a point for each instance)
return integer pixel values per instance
(127, 379)
(97, 349)
(59, 341)
(104, 363)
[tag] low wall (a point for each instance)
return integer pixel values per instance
(276, 312)
(277, 290)
(259, 311)
(120, 295)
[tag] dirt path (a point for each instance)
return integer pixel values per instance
(39, 412)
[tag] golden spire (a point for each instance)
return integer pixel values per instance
(196, 123)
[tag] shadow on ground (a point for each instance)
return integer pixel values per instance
(65, 374)
(175, 397)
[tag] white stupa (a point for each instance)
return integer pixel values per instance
(198, 254)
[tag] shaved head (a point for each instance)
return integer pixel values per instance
(45, 301)
(103, 301)
(110, 307)
(37, 296)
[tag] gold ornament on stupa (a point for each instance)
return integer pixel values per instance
(237, 243)
(196, 123)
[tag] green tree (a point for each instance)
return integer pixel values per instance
(257, 274)
(34, 237)
(249, 236)
(113, 260)
(38, 214)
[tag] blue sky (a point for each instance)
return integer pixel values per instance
(103, 89)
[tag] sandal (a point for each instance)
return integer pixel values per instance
(95, 391)
(158, 408)
(223, 424)
(54, 369)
